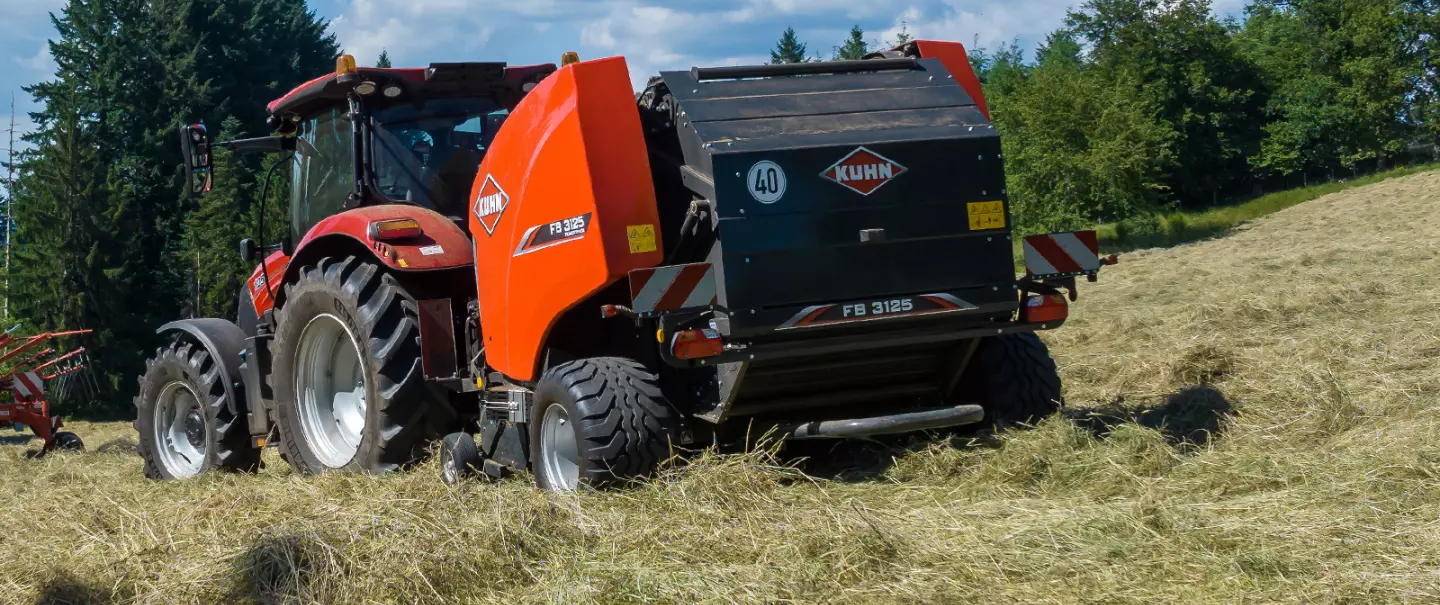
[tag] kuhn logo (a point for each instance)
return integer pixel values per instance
(863, 171)
(490, 204)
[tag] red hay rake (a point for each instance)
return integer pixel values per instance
(35, 380)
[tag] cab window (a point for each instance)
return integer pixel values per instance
(324, 172)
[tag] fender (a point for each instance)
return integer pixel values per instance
(441, 245)
(223, 341)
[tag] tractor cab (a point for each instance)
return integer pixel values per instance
(375, 136)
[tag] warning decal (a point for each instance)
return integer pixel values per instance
(642, 238)
(986, 215)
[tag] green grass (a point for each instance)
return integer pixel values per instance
(1165, 230)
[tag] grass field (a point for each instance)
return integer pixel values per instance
(1252, 418)
(1182, 227)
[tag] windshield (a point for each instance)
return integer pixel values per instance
(324, 173)
(428, 154)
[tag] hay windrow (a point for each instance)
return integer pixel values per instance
(1252, 418)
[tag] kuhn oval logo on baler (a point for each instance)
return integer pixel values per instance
(863, 171)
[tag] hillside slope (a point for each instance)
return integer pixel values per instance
(1255, 417)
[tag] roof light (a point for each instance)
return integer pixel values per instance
(392, 91)
(365, 88)
(392, 229)
(569, 57)
(344, 64)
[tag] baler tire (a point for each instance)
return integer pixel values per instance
(228, 446)
(460, 458)
(623, 424)
(1015, 379)
(403, 414)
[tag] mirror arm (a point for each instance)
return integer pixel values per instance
(271, 144)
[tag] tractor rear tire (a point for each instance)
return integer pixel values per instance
(1014, 378)
(363, 323)
(618, 425)
(194, 431)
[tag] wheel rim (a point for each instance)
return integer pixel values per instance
(181, 447)
(330, 389)
(559, 452)
(448, 473)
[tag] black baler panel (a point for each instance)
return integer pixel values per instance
(806, 247)
(817, 275)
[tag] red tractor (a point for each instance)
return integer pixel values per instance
(558, 275)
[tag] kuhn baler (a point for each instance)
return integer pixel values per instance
(562, 276)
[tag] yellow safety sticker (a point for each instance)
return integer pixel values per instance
(642, 238)
(986, 215)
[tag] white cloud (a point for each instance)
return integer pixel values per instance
(40, 62)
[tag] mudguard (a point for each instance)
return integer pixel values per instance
(441, 245)
(563, 206)
(223, 341)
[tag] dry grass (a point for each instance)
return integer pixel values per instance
(1254, 419)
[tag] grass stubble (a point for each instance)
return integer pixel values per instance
(1252, 418)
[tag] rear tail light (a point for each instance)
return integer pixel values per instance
(695, 344)
(399, 228)
(1047, 308)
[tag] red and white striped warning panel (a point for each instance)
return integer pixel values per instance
(28, 386)
(1062, 254)
(672, 288)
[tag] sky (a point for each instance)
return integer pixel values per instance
(651, 34)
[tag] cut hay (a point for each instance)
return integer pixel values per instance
(1253, 418)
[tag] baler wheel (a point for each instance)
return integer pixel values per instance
(459, 458)
(601, 422)
(350, 392)
(185, 425)
(1014, 378)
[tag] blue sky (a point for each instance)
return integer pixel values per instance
(651, 34)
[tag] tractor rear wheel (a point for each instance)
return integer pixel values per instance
(1014, 378)
(185, 425)
(350, 392)
(600, 422)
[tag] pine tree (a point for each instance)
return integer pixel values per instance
(902, 36)
(854, 47)
(789, 49)
(117, 250)
(384, 60)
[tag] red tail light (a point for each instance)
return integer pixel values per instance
(399, 228)
(1044, 309)
(695, 344)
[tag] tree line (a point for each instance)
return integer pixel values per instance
(1131, 107)
(1139, 106)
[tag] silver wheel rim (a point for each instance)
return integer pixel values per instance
(173, 407)
(448, 471)
(330, 389)
(559, 452)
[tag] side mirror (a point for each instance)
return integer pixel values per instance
(195, 149)
(249, 251)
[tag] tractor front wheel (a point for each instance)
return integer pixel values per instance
(185, 426)
(350, 392)
(601, 421)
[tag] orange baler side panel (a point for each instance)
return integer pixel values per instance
(571, 156)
